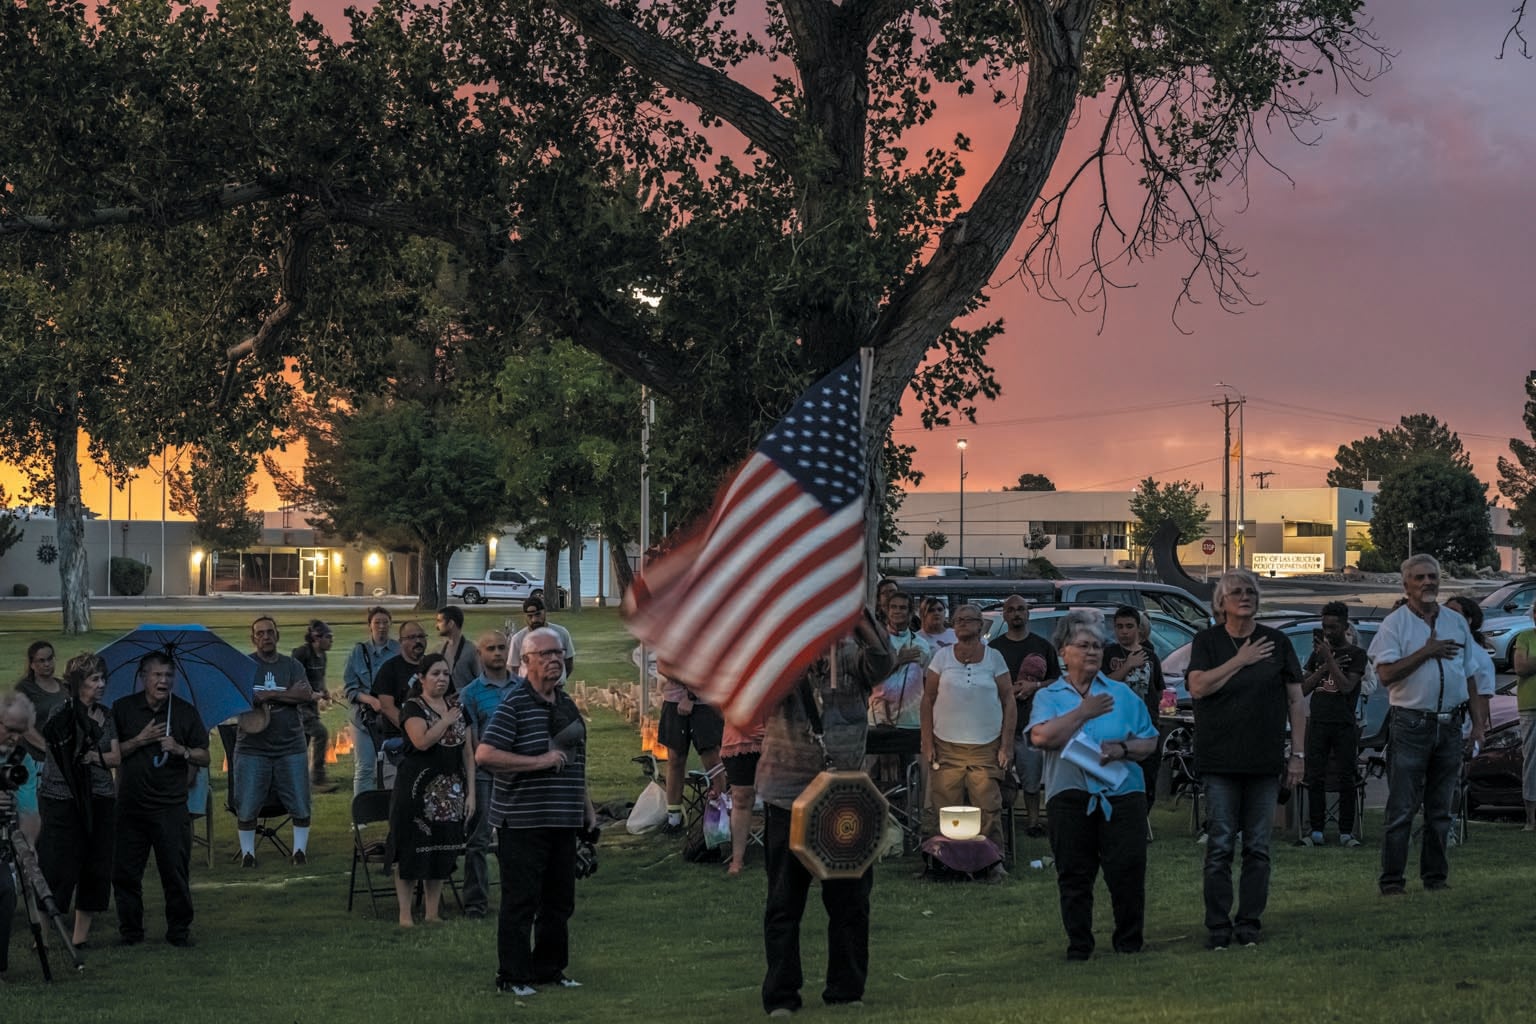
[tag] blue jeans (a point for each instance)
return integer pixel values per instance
(364, 774)
(1233, 804)
(1423, 766)
(365, 770)
(284, 778)
(476, 842)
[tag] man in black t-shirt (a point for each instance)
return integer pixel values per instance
(162, 742)
(1332, 678)
(1015, 645)
(392, 685)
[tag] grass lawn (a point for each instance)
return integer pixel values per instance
(657, 939)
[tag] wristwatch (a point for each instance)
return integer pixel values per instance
(1299, 756)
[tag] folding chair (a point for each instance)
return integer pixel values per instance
(368, 808)
(269, 811)
(904, 792)
(200, 805)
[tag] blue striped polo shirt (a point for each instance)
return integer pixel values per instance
(543, 799)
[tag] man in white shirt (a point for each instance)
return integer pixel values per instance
(1424, 657)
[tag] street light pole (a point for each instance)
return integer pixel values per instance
(1410, 540)
(961, 444)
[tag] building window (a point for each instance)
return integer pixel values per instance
(1087, 535)
(1302, 529)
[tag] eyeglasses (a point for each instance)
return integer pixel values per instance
(412, 636)
(1087, 645)
(554, 653)
(967, 618)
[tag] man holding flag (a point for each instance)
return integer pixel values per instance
(781, 557)
(795, 751)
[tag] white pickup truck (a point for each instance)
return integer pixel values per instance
(500, 585)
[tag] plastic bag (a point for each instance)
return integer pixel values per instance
(649, 812)
(717, 821)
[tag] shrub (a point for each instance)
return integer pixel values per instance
(1372, 560)
(19, 590)
(130, 577)
(1044, 568)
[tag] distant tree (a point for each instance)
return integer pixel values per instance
(1033, 482)
(936, 541)
(1517, 478)
(1375, 458)
(1036, 541)
(10, 524)
(1445, 502)
(1154, 504)
(401, 466)
(216, 493)
(570, 444)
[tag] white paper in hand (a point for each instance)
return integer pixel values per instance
(1085, 753)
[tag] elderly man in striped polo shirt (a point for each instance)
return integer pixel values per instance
(536, 748)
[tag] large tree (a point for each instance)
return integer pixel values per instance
(1445, 502)
(401, 465)
(1517, 478)
(1178, 501)
(573, 167)
(569, 430)
(1378, 456)
(215, 491)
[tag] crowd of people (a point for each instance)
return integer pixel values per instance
(482, 750)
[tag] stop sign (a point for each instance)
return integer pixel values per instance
(1208, 546)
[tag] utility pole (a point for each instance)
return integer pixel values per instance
(1226, 405)
(1262, 476)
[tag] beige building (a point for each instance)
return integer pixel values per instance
(1092, 528)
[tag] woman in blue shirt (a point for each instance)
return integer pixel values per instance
(1093, 731)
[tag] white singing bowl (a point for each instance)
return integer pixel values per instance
(960, 822)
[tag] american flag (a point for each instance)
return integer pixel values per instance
(744, 603)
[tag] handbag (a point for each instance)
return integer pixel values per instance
(650, 810)
(717, 821)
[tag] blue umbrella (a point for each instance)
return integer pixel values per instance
(210, 674)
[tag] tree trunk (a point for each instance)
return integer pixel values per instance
(202, 577)
(426, 582)
(69, 521)
(552, 572)
(574, 547)
(623, 575)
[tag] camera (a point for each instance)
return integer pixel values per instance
(13, 775)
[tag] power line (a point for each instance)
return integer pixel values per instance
(1057, 417)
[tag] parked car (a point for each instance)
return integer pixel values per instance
(990, 592)
(1507, 614)
(502, 585)
(1168, 633)
(1499, 632)
(947, 571)
(1150, 597)
(1493, 776)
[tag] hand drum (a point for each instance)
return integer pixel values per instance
(837, 824)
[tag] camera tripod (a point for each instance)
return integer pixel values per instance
(16, 849)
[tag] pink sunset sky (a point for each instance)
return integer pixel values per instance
(1393, 278)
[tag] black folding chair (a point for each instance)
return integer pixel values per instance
(270, 810)
(368, 808)
(904, 791)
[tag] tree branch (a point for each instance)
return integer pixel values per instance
(868, 17)
(1516, 33)
(976, 240)
(715, 93)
